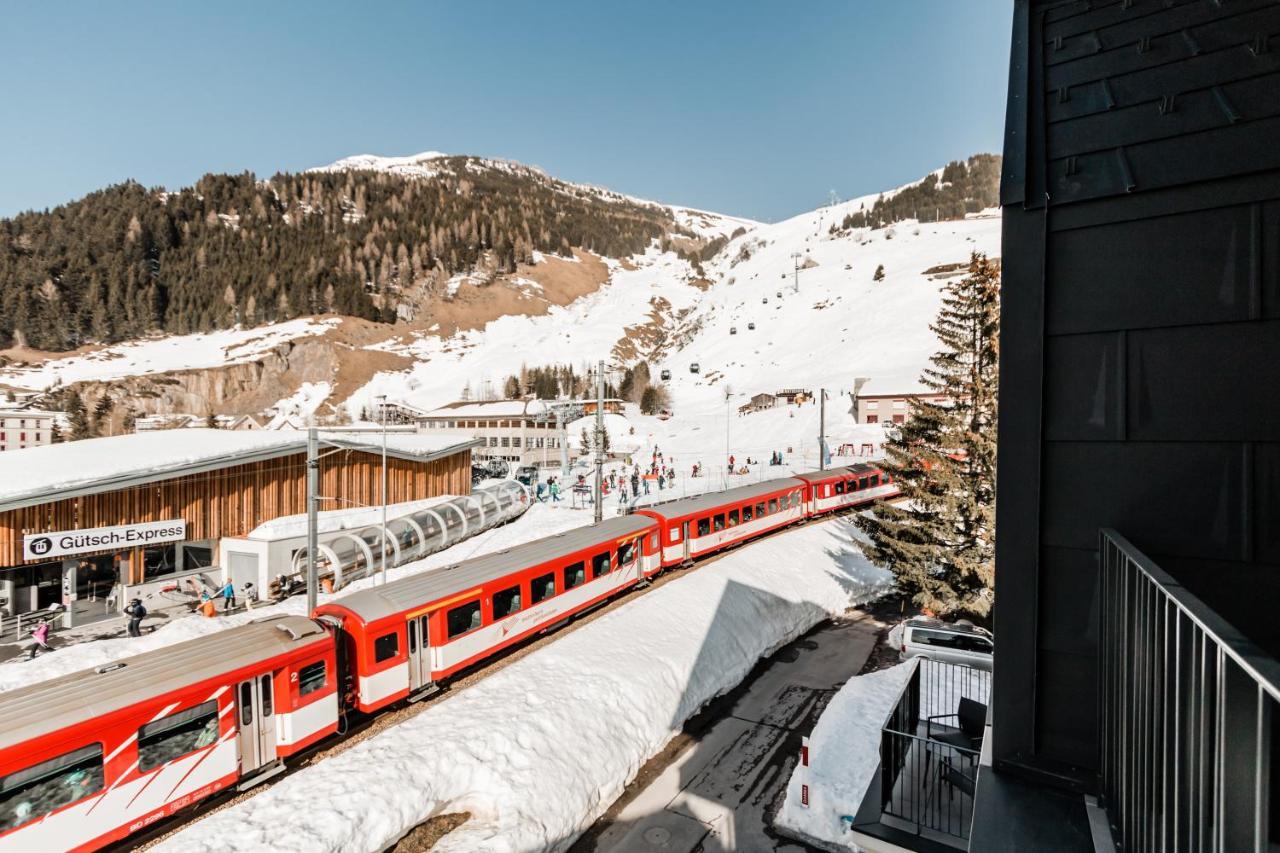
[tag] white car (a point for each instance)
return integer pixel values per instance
(959, 642)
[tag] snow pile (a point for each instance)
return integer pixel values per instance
(539, 749)
(302, 404)
(163, 354)
(844, 752)
(538, 521)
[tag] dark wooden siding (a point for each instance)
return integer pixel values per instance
(233, 500)
(1140, 384)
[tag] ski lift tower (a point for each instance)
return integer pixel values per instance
(795, 260)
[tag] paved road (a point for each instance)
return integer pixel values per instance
(718, 794)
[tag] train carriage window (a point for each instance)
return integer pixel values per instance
(543, 587)
(311, 678)
(717, 523)
(172, 737)
(704, 526)
(386, 647)
(760, 510)
(268, 695)
(628, 552)
(733, 518)
(506, 602)
(864, 483)
(853, 485)
(747, 513)
(773, 505)
(674, 533)
(463, 619)
(601, 564)
(42, 788)
(574, 575)
(875, 479)
(839, 487)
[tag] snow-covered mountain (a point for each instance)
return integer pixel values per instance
(669, 305)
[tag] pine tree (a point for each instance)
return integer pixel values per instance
(100, 419)
(77, 417)
(512, 388)
(940, 543)
(879, 274)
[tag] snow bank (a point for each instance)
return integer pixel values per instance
(537, 750)
(537, 521)
(844, 751)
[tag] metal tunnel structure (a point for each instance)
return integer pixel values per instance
(349, 555)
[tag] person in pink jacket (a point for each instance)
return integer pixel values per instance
(41, 636)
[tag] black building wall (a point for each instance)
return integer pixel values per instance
(1140, 371)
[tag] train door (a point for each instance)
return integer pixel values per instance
(419, 654)
(684, 537)
(255, 707)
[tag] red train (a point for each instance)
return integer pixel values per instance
(89, 758)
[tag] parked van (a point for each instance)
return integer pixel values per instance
(954, 642)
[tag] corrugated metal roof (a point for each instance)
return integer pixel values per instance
(55, 472)
(688, 506)
(417, 590)
(50, 706)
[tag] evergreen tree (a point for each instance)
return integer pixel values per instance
(77, 417)
(512, 388)
(940, 543)
(211, 420)
(879, 274)
(100, 419)
(55, 433)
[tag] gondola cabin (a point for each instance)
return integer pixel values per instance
(91, 757)
(401, 639)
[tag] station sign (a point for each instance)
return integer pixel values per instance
(39, 546)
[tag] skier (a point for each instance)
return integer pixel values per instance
(136, 612)
(41, 636)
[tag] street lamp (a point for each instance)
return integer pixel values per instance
(382, 405)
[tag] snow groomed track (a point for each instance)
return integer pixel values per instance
(538, 749)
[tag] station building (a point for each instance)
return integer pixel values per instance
(90, 523)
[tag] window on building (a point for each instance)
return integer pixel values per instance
(463, 619)
(704, 526)
(171, 737)
(506, 442)
(899, 404)
(873, 419)
(733, 518)
(42, 788)
(493, 441)
(196, 556)
(574, 575)
(159, 560)
(386, 647)
(897, 419)
(601, 564)
(747, 512)
(515, 442)
(311, 678)
(543, 587)
(506, 602)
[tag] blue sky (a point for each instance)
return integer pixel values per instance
(755, 109)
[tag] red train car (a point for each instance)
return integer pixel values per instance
(696, 526)
(88, 758)
(841, 488)
(401, 639)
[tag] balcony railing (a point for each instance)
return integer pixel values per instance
(929, 755)
(1187, 708)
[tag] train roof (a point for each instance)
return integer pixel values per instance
(712, 500)
(416, 590)
(56, 704)
(856, 470)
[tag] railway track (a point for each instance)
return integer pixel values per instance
(362, 727)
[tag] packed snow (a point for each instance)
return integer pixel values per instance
(593, 707)
(844, 752)
(538, 521)
(162, 354)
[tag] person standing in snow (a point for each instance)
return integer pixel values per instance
(555, 490)
(136, 612)
(646, 485)
(250, 594)
(635, 483)
(662, 482)
(40, 634)
(730, 463)
(228, 596)
(622, 494)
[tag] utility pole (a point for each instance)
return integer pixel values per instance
(382, 401)
(313, 486)
(599, 441)
(822, 429)
(795, 259)
(564, 442)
